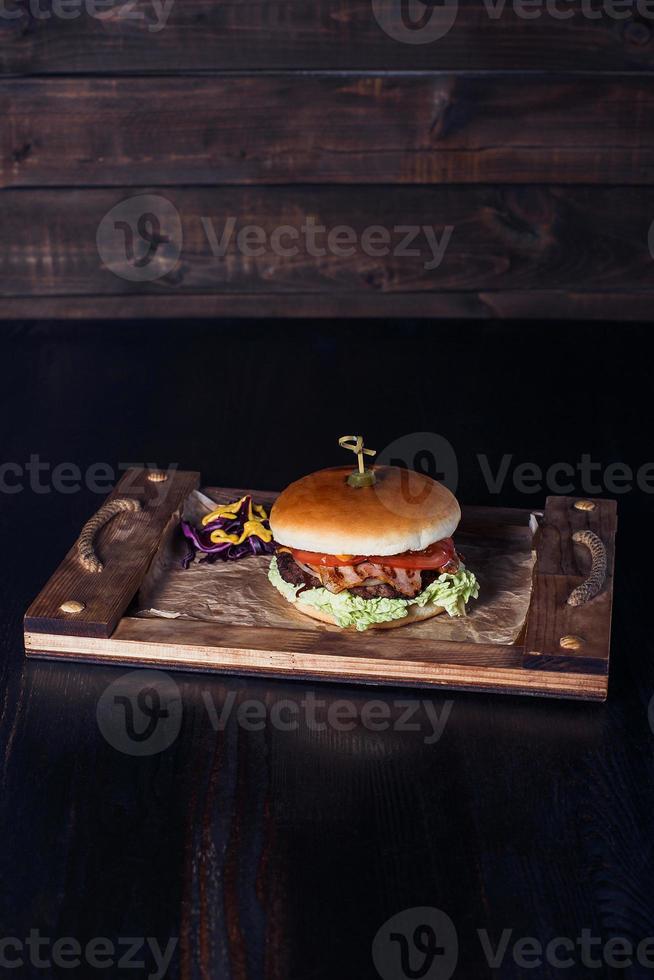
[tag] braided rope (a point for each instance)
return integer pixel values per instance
(593, 584)
(85, 548)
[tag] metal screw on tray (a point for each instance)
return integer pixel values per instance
(72, 606)
(361, 477)
(571, 642)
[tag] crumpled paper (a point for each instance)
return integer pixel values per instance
(239, 593)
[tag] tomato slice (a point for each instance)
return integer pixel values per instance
(318, 558)
(434, 556)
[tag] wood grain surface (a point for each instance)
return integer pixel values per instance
(126, 546)
(502, 239)
(525, 111)
(201, 35)
(561, 566)
(312, 656)
(380, 129)
(523, 305)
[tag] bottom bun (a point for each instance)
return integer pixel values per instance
(415, 614)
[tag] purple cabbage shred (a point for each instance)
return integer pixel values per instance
(199, 539)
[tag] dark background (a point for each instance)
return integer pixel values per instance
(280, 855)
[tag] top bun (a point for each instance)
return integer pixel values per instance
(403, 511)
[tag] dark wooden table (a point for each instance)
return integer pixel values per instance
(280, 854)
(526, 129)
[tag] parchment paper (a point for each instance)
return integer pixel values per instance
(239, 593)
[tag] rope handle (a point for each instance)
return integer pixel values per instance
(85, 543)
(595, 581)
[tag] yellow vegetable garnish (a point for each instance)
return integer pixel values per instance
(250, 527)
(253, 525)
(231, 511)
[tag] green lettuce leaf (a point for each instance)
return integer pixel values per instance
(451, 591)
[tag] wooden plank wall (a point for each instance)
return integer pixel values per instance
(524, 143)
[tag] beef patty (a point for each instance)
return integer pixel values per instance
(291, 572)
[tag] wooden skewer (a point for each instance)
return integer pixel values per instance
(355, 444)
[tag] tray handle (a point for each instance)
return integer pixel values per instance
(86, 553)
(595, 581)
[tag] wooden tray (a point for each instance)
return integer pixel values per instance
(563, 650)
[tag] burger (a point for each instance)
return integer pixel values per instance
(377, 555)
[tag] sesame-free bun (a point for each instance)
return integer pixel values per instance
(415, 614)
(403, 511)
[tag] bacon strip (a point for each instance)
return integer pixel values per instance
(406, 581)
